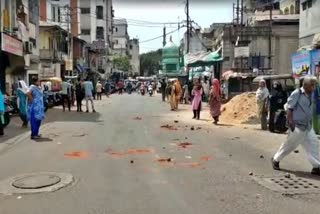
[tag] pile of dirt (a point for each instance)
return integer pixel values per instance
(240, 109)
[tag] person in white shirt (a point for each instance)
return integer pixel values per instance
(99, 90)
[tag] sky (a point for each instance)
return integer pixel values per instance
(140, 14)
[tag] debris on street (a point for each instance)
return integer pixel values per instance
(261, 157)
(296, 151)
(176, 121)
(79, 135)
(169, 127)
(184, 145)
(137, 118)
(250, 173)
(131, 161)
(129, 152)
(240, 109)
(192, 128)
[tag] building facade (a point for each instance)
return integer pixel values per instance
(309, 22)
(120, 38)
(134, 56)
(19, 28)
(96, 29)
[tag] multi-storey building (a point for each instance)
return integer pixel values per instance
(96, 29)
(19, 27)
(120, 37)
(134, 56)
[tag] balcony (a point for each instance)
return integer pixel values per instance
(52, 55)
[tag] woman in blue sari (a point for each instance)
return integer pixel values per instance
(1, 113)
(35, 107)
(22, 102)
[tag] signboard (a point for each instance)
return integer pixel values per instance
(11, 45)
(301, 63)
(315, 61)
(241, 52)
(69, 64)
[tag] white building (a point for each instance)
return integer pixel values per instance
(96, 28)
(309, 22)
(120, 37)
(134, 56)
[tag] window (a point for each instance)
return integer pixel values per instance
(307, 4)
(85, 10)
(100, 32)
(99, 12)
(85, 31)
(115, 29)
(130, 47)
(116, 42)
(226, 58)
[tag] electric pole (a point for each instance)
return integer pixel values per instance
(188, 27)
(164, 36)
(270, 33)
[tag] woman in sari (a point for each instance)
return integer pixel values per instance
(178, 92)
(2, 109)
(22, 102)
(215, 101)
(35, 107)
(173, 97)
(196, 102)
(262, 96)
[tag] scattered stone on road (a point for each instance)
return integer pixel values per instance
(176, 121)
(287, 175)
(251, 173)
(131, 161)
(296, 151)
(261, 157)
(192, 128)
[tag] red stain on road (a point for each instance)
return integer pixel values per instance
(184, 145)
(191, 164)
(169, 127)
(205, 158)
(80, 155)
(139, 151)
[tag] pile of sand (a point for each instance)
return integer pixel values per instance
(240, 109)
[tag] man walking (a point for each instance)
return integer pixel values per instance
(88, 93)
(99, 90)
(65, 93)
(300, 126)
(163, 90)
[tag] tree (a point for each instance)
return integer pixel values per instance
(149, 62)
(121, 63)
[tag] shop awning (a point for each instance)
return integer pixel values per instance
(230, 74)
(203, 59)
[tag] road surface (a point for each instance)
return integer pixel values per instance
(123, 162)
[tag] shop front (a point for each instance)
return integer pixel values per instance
(308, 63)
(12, 65)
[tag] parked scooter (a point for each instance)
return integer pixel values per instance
(142, 90)
(150, 90)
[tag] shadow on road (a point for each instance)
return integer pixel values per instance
(14, 128)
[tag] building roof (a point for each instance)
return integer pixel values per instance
(120, 22)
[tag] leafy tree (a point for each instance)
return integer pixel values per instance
(149, 62)
(121, 63)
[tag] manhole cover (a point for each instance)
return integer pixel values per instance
(289, 185)
(39, 182)
(36, 181)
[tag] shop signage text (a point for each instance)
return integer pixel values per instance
(11, 45)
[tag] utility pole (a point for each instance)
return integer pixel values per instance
(270, 33)
(188, 28)
(164, 36)
(241, 36)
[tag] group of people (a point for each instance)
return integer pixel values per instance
(199, 92)
(83, 90)
(272, 104)
(30, 104)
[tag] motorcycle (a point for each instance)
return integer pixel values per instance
(150, 91)
(8, 112)
(142, 91)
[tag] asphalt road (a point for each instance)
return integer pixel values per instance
(123, 162)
